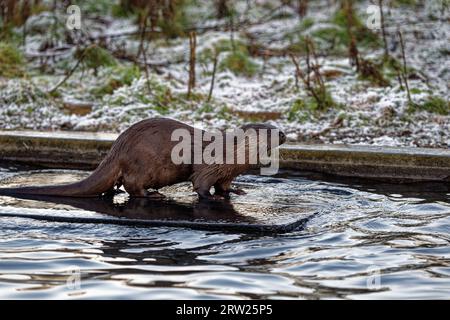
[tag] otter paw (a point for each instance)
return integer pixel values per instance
(155, 195)
(238, 191)
(215, 197)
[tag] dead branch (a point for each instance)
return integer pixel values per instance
(383, 30)
(211, 88)
(405, 66)
(80, 59)
(192, 46)
(352, 47)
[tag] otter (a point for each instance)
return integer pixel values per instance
(140, 159)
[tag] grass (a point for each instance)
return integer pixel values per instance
(404, 2)
(374, 72)
(223, 45)
(11, 61)
(95, 57)
(337, 36)
(433, 104)
(303, 109)
(236, 60)
(239, 63)
(118, 76)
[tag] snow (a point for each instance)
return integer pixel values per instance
(371, 115)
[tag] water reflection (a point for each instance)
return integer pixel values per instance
(369, 241)
(146, 209)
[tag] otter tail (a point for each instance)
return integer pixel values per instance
(101, 180)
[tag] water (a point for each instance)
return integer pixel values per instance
(367, 241)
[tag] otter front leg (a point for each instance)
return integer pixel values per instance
(224, 189)
(203, 191)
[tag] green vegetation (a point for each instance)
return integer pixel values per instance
(100, 7)
(169, 16)
(404, 3)
(160, 98)
(94, 57)
(306, 23)
(303, 109)
(174, 24)
(222, 45)
(11, 61)
(337, 37)
(118, 76)
(374, 72)
(433, 104)
(239, 63)
(237, 58)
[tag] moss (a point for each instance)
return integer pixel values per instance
(118, 76)
(433, 104)
(11, 61)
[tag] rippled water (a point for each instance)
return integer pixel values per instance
(366, 241)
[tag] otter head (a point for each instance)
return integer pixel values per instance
(268, 130)
(257, 142)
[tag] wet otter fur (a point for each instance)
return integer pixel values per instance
(140, 159)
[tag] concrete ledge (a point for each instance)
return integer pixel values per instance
(84, 150)
(66, 150)
(381, 163)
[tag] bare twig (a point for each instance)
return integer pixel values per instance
(143, 27)
(314, 86)
(80, 59)
(143, 51)
(405, 66)
(302, 76)
(192, 45)
(302, 8)
(211, 88)
(383, 30)
(352, 47)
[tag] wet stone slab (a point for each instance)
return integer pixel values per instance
(248, 214)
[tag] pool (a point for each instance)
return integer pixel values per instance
(359, 240)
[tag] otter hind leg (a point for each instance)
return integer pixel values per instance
(137, 189)
(144, 193)
(134, 187)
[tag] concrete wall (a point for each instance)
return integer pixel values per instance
(82, 150)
